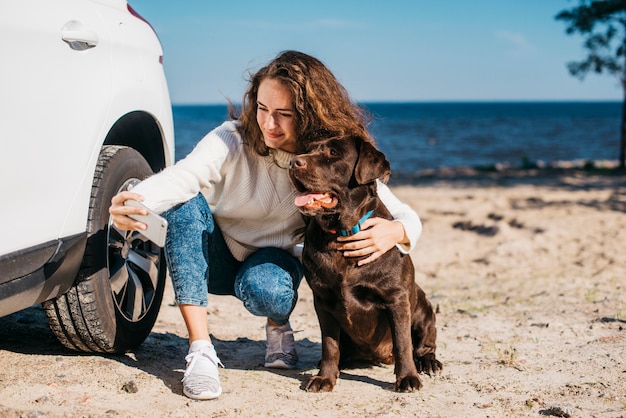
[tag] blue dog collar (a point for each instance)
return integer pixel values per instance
(356, 228)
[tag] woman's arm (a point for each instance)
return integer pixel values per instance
(200, 169)
(378, 235)
(182, 181)
(403, 214)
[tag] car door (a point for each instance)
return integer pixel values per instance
(55, 88)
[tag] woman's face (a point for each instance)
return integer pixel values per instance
(276, 116)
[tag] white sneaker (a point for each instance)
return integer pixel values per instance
(281, 348)
(201, 380)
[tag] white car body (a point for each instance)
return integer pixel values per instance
(77, 78)
(51, 137)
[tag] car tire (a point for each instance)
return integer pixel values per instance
(116, 296)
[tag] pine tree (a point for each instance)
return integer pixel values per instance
(603, 23)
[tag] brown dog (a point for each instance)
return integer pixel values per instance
(375, 312)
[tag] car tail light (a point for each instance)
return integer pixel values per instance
(138, 16)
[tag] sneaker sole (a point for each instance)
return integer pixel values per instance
(279, 364)
(202, 396)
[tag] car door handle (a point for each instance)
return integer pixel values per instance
(78, 37)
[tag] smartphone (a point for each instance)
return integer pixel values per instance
(157, 225)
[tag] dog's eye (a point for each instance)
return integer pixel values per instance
(333, 152)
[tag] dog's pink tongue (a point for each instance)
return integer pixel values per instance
(307, 198)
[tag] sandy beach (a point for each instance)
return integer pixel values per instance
(528, 274)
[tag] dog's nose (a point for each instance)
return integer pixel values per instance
(297, 162)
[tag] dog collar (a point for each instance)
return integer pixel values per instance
(356, 228)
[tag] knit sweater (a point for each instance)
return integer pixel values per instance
(251, 197)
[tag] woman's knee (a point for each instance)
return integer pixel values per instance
(192, 212)
(267, 283)
(275, 303)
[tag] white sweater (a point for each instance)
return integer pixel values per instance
(251, 197)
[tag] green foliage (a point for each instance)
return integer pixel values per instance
(604, 24)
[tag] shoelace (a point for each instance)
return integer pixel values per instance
(193, 357)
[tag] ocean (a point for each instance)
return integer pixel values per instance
(422, 136)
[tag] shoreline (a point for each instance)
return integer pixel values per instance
(556, 173)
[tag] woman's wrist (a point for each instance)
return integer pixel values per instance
(402, 237)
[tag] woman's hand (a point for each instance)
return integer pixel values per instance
(376, 237)
(119, 212)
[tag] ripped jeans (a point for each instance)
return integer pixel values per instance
(200, 263)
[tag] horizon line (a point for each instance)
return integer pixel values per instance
(459, 101)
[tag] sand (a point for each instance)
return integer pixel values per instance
(528, 274)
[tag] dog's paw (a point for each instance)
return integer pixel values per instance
(408, 384)
(320, 384)
(428, 364)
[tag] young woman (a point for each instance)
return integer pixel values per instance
(232, 217)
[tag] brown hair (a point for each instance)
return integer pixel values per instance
(322, 105)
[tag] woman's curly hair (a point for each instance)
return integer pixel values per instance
(322, 105)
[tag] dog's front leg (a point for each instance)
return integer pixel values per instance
(329, 365)
(407, 379)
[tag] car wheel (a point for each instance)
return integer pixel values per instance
(117, 294)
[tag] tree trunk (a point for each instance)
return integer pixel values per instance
(622, 148)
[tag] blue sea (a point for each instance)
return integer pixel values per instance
(421, 136)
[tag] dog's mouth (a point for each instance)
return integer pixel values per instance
(315, 201)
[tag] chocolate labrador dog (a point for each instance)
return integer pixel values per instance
(374, 312)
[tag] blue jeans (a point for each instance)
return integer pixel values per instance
(199, 263)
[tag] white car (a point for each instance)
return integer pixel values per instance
(84, 111)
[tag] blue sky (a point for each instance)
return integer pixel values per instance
(414, 50)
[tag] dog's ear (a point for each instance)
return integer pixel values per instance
(371, 165)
